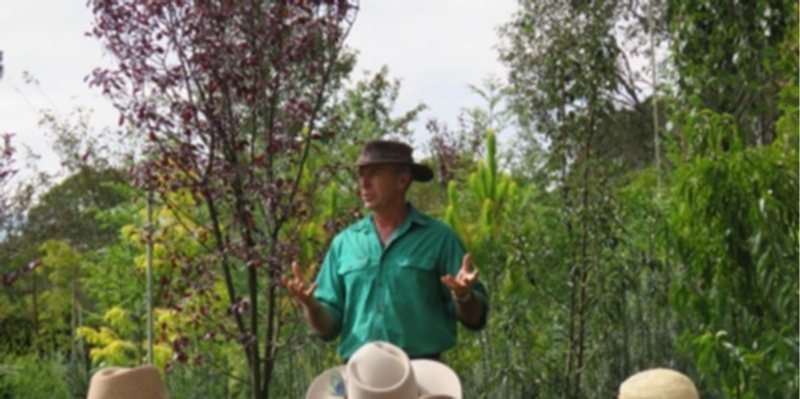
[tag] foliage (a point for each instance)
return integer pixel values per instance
(598, 264)
(77, 144)
(58, 306)
(571, 59)
(479, 211)
(230, 97)
(65, 217)
(572, 82)
(735, 224)
(67, 211)
(612, 231)
(454, 151)
(109, 348)
(733, 206)
(727, 59)
(33, 377)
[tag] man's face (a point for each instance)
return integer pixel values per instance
(380, 186)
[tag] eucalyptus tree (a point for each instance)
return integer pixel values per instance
(578, 77)
(670, 257)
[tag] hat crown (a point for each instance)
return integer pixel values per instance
(393, 152)
(385, 151)
(659, 383)
(380, 370)
(126, 383)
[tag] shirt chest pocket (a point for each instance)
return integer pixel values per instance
(355, 269)
(420, 269)
(417, 279)
(423, 265)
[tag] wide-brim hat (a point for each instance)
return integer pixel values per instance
(380, 370)
(142, 382)
(377, 152)
(658, 383)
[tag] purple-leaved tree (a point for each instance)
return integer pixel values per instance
(229, 95)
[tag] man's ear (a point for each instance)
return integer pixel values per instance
(405, 178)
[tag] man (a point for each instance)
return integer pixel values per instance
(390, 276)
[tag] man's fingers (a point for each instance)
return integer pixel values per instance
(467, 279)
(472, 276)
(466, 263)
(449, 281)
(296, 270)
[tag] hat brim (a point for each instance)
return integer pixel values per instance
(421, 173)
(433, 378)
(321, 386)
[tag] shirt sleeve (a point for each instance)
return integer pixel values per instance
(330, 290)
(453, 255)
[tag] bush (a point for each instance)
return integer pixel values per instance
(33, 378)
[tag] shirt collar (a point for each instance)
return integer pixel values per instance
(414, 216)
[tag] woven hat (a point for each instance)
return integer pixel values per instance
(659, 383)
(377, 152)
(380, 370)
(126, 383)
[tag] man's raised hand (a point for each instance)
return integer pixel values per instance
(462, 284)
(297, 286)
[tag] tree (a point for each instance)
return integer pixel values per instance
(734, 221)
(481, 210)
(67, 211)
(575, 87)
(230, 97)
(7, 172)
(64, 216)
(656, 262)
(571, 89)
(733, 214)
(455, 150)
(553, 51)
(726, 59)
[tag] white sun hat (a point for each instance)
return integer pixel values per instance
(380, 370)
(659, 383)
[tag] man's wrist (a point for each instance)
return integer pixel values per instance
(463, 298)
(311, 303)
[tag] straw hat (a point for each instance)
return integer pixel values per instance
(377, 152)
(380, 370)
(126, 383)
(658, 383)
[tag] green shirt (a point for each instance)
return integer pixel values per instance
(394, 292)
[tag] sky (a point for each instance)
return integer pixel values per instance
(435, 47)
